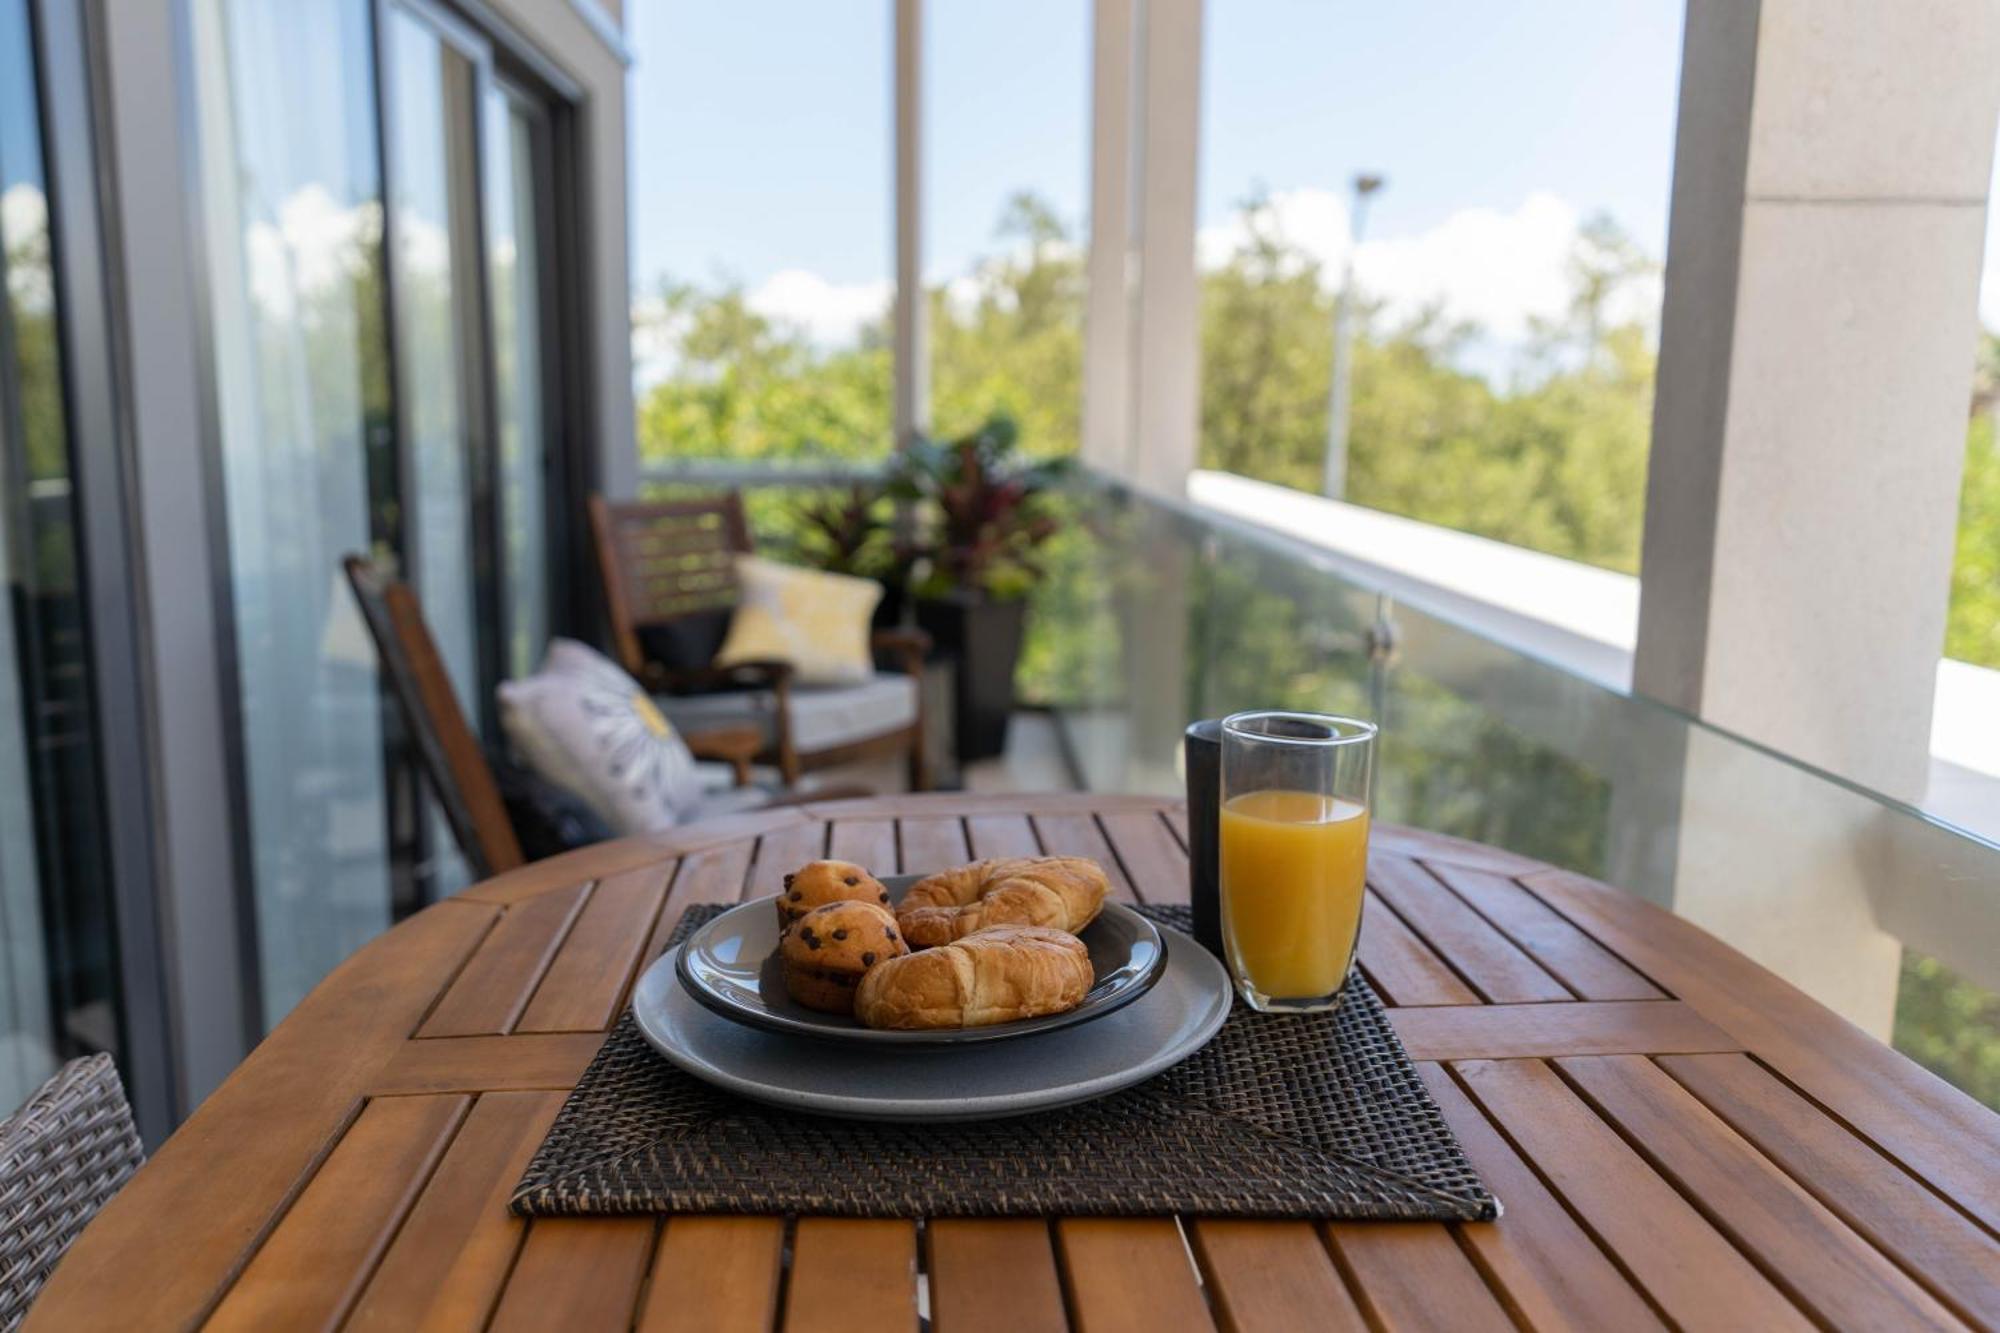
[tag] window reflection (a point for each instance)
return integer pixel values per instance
(292, 191)
(58, 995)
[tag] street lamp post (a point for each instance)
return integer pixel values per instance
(1334, 480)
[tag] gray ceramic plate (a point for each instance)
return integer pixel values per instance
(1172, 1021)
(731, 966)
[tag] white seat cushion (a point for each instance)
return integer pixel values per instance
(823, 717)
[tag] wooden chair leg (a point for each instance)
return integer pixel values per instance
(920, 764)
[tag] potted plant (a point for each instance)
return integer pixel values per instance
(980, 513)
(849, 532)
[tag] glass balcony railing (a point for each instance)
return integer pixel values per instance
(1156, 613)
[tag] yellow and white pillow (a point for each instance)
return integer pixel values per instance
(818, 622)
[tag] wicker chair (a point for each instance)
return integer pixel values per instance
(670, 586)
(62, 1156)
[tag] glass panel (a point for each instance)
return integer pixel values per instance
(1503, 269)
(515, 265)
(1888, 917)
(292, 194)
(430, 198)
(1004, 202)
(762, 223)
(433, 216)
(58, 989)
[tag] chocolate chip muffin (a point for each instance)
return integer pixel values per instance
(821, 882)
(826, 952)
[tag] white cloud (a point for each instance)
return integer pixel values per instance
(1496, 269)
(830, 313)
(24, 220)
(317, 243)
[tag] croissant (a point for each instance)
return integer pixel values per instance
(1065, 892)
(993, 976)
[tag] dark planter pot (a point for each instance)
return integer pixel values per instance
(983, 638)
(889, 611)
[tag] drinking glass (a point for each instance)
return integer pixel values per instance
(1294, 854)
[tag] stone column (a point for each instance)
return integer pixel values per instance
(1142, 405)
(912, 343)
(1107, 323)
(1829, 206)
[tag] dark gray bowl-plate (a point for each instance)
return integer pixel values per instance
(731, 966)
(1170, 1022)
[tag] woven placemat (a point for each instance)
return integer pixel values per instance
(1279, 1116)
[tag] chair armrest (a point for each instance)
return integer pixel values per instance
(735, 746)
(757, 675)
(908, 647)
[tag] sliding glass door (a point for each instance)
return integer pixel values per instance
(519, 222)
(60, 991)
(373, 243)
(293, 201)
(433, 73)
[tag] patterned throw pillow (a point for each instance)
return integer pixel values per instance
(818, 622)
(584, 724)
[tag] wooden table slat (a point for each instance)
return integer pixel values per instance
(451, 1256)
(1569, 955)
(1494, 965)
(867, 842)
(1129, 1275)
(1274, 1276)
(852, 1275)
(1907, 1111)
(1413, 1276)
(167, 1244)
(992, 1275)
(1079, 835)
(487, 1064)
(1404, 969)
(578, 1274)
(995, 836)
(588, 977)
(1549, 1268)
(932, 844)
(497, 981)
(1155, 864)
(1591, 1027)
(1937, 1244)
(712, 875)
(1827, 1268)
(1691, 1272)
(715, 1275)
(321, 1255)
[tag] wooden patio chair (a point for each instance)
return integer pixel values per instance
(670, 586)
(450, 755)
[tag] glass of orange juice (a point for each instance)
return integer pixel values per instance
(1293, 857)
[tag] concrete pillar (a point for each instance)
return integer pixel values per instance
(1142, 395)
(1829, 204)
(1111, 265)
(912, 345)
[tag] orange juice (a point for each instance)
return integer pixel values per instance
(1294, 864)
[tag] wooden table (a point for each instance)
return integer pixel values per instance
(1677, 1136)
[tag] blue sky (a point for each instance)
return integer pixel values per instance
(761, 133)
